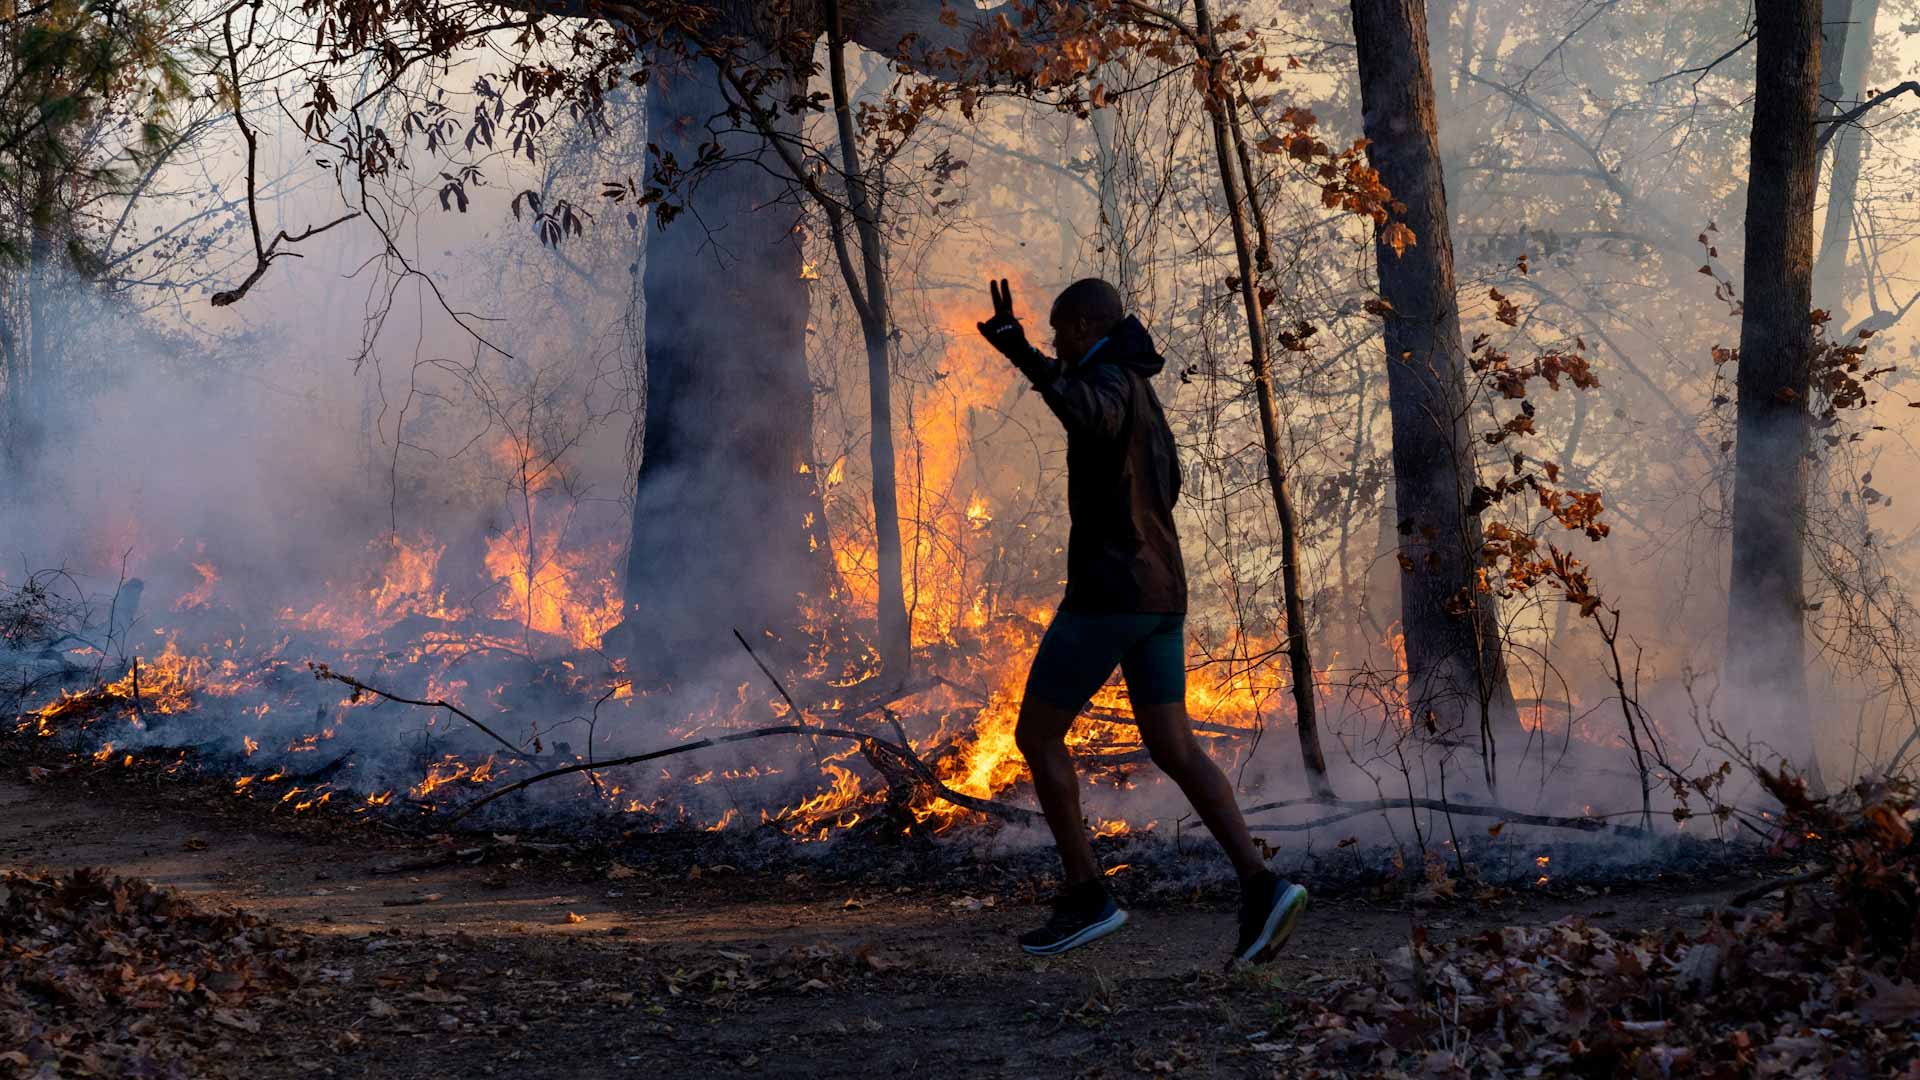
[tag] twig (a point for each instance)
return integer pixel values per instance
(775, 680)
(768, 672)
(1706, 68)
(322, 671)
(1350, 808)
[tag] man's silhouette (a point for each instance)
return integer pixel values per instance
(1125, 606)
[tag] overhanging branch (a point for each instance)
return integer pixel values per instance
(1911, 86)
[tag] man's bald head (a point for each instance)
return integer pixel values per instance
(1083, 313)
(1093, 300)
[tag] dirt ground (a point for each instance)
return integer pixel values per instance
(510, 956)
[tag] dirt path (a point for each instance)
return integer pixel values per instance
(545, 962)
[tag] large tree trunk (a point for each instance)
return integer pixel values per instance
(1456, 668)
(728, 532)
(1844, 59)
(1766, 656)
(724, 516)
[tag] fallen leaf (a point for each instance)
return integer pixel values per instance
(1892, 1002)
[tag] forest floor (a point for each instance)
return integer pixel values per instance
(427, 956)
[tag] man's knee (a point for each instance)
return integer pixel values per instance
(1039, 729)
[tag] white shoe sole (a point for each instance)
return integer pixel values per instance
(1085, 935)
(1280, 925)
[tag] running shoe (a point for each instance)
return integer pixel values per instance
(1081, 914)
(1269, 910)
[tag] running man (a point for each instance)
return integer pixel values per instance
(1125, 605)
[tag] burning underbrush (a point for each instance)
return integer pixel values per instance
(431, 697)
(416, 689)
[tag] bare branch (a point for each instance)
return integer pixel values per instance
(1911, 86)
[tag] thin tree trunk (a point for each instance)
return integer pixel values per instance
(1844, 60)
(1299, 656)
(1456, 666)
(30, 399)
(876, 327)
(1766, 654)
(1118, 170)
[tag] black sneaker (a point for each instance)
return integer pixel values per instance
(1269, 910)
(1081, 914)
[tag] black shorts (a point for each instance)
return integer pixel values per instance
(1080, 651)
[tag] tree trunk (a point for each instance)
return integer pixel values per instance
(1456, 667)
(1766, 654)
(1299, 656)
(37, 345)
(1119, 169)
(728, 532)
(1844, 59)
(723, 516)
(876, 328)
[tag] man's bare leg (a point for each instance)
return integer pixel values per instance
(1041, 735)
(1169, 738)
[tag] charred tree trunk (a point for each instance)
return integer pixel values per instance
(1231, 157)
(1766, 653)
(876, 328)
(1844, 58)
(722, 511)
(1456, 666)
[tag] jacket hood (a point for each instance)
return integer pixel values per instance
(1130, 346)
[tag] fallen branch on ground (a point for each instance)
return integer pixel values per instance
(1350, 808)
(1742, 899)
(985, 806)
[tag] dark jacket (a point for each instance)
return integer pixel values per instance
(1123, 554)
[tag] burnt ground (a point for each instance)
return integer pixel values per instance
(549, 956)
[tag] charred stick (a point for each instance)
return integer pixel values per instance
(322, 671)
(775, 680)
(1352, 809)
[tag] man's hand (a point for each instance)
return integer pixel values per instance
(1004, 332)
